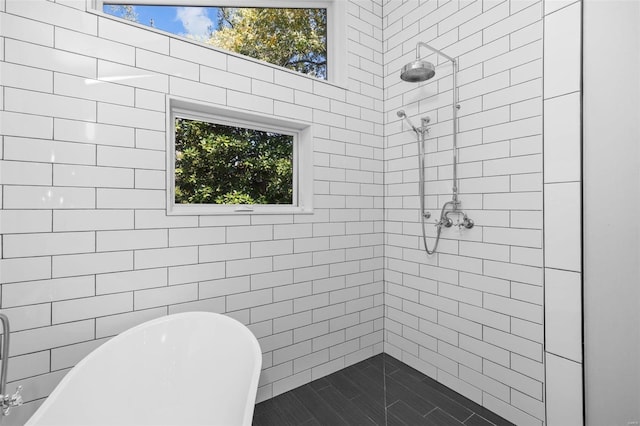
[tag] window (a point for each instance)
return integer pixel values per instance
(227, 161)
(300, 35)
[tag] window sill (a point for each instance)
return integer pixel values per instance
(231, 210)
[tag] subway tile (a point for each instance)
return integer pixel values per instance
(26, 101)
(25, 125)
(199, 91)
(55, 14)
(271, 279)
(513, 94)
(146, 99)
(246, 101)
(196, 236)
(24, 173)
(205, 305)
(91, 263)
(563, 313)
(47, 151)
(562, 52)
(219, 252)
(486, 317)
(513, 379)
(563, 226)
(90, 176)
(130, 240)
(131, 76)
(510, 271)
(564, 387)
(562, 139)
(512, 130)
(513, 236)
(271, 311)
(108, 198)
(164, 296)
(93, 133)
(248, 300)
(130, 117)
(161, 62)
(513, 165)
(29, 317)
(510, 342)
(92, 307)
(24, 29)
(96, 90)
(92, 220)
(513, 308)
(249, 233)
(273, 248)
(116, 324)
(38, 339)
(195, 273)
(85, 44)
(527, 256)
(150, 179)
(29, 365)
(44, 197)
(118, 282)
(24, 221)
(24, 77)
(484, 20)
(514, 22)
(49, 59)
(31, 245)
(161, 257)
(224, 287)
(487, 384)
(249, 266)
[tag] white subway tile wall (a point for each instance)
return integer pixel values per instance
(472, 315)
(87, 248)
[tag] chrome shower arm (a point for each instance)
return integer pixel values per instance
(433, 49)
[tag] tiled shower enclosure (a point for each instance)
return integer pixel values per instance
(88, 249)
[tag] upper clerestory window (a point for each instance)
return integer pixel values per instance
(299, 35)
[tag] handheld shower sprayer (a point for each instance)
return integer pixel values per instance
(402, 114)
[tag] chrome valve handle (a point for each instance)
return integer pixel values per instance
(10, 401)
(466, 222)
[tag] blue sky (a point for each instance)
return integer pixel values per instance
(186, 21)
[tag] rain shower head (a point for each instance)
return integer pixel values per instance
(417, 71)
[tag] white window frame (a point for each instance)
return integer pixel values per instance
(336, 25)
(302, 157)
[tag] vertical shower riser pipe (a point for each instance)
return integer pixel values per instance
(456, 107)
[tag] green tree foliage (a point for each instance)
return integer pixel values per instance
(291, 38)
(218, 164)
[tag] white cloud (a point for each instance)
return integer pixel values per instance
(195, 21)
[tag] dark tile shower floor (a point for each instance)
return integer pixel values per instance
(357, 396)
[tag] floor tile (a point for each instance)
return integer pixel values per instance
(379, 391)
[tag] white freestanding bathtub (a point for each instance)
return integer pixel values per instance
(194, 368)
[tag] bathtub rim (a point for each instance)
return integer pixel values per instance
(183, 316)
